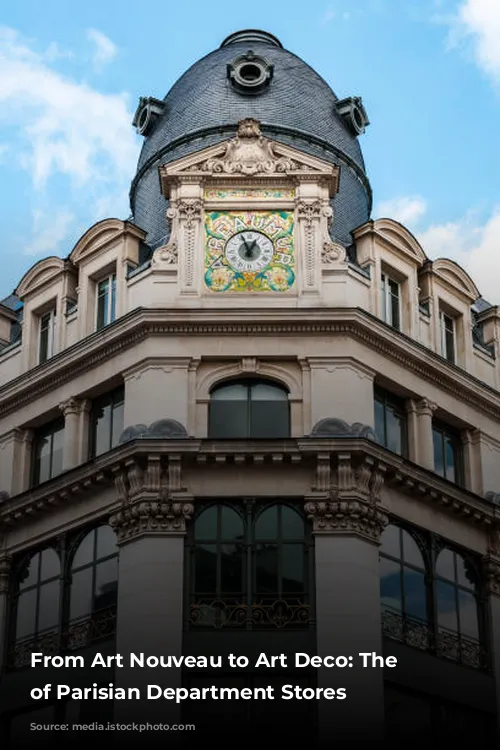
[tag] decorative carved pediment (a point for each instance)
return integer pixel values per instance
(249, 154)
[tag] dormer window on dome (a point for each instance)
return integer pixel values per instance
(250, 74)
(354, 114)
(146, 114)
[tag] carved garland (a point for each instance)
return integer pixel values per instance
(310, 212)
(189, 212)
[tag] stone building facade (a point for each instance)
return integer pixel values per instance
(250, 418)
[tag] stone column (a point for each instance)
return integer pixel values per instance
(5, 567)
(472, 461)
(150, 527)
(71, 411)
(347, 524)
(84, 430)
(425, 445)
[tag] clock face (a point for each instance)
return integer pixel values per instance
(249, 251)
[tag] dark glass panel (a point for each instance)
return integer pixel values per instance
(48, 612)
(391, 541)
(106, 542)
(231, 568)
(438, 452)
(28, 575)
(266, 568)
(411, 551)
(102, 429)
(26, 614)
(57, 452)
(266, 525)
(445, 564)
(469, 625)
(267, 392)
(292, 568)
(228, 419)
(446, 606)
(292, 523)
(380, 421)
(269, 419)
(231, 524)
(43, 459)
(117, 426)
(395, 431)
(85, 552)
(51, 566)
(450, 458)
(415, 594)
(113, 299)
(206, 524)
(81, 593)
(206, 568)
(466, 575)
(102, 303)
(106, 584)
(390, 584)
(234, 392)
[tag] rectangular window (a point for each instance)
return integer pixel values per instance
(391, 302)
(391, 421)
(46, 336)
(48, 452)
(106, 301)
(448, 337)
(447, 453)
(106, 422)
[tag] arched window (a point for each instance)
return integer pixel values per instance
(402, 574)
(249, 567)
(456, 595)
(39, 590)
(94, 577)
(249, 409)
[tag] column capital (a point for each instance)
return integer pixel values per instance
(5, 568)
(491, 572)
(153, 517)
(425, 407)
(70, 406)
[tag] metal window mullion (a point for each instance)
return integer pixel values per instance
(249, 411)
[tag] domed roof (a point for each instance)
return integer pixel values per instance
(294, 105)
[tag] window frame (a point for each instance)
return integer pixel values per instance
(398, 405)
(109, 312)
(446, 431)
(388, 296)
(114, 399)
(42, 433)
(450, 356)
(249, 384)
(51, 315)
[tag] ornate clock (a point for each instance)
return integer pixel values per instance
(249, 251)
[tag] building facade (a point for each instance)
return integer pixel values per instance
(250, 419)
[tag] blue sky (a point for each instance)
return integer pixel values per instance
(428, 72)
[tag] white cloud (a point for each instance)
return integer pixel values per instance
(479, 21)
(49, 231)
(473, 245)
(54, 52)
(405, 209)
(66, 126)
(328, 16)
(104, 49)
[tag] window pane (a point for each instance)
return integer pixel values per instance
(231, 524)
(266, 525)
(438, 452)
(445, 564)
(450, 455)
(267, 392)
(117, 424)
(51, 566)
(85, 552)
(106, 542)
(102, 303)
(292, 523)
(380, 422)
(266, 568)
(81, 594)
(390, 541)
(292, 568)
(231, 568)
(26, 614)
(228, 419)
(57, 452)
(42, 458)
(206, 568)
(446, 606)
(28, 575)
(102, 429)
(269, 419)
(395, 431)
(235, 392)
(468, 614)
(106, 584)
(415, 594)
(48, 614)
(113, 300)
(390, 584)
(206, 524)
(466, 575)
(411, 551)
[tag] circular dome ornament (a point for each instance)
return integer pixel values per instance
(250, 74)
(147, 112)
(354, 114)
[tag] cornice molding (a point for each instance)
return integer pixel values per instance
(141, 323)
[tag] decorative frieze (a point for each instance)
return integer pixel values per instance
(146, 517)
